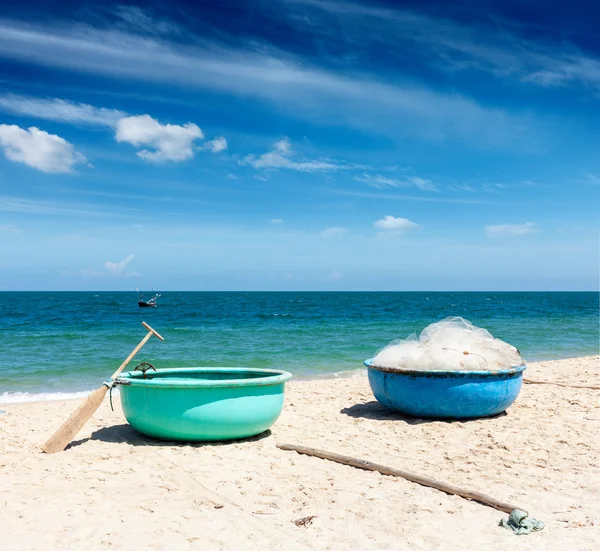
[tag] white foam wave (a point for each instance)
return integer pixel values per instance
(19, 397)
(351, 373)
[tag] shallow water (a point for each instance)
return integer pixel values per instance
(69, 342)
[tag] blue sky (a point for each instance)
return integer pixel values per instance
(299, 144)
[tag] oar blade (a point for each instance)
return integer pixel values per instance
(61, 438)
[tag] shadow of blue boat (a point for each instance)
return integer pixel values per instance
(374, 410)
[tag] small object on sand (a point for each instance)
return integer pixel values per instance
(2, 412)
(219, 506)
(305, 521)
(520, 523)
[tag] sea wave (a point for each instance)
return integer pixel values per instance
(19, 397)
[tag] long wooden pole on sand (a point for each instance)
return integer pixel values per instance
(423, 480)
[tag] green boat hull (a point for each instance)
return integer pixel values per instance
(203, 404)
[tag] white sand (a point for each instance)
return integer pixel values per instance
(115, 490)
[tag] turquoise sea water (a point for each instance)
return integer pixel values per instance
(69, 342)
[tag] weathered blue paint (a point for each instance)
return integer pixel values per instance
(202, 403)
(446, 394)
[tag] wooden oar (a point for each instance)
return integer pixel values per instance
(59, 440)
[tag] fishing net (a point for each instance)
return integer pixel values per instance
(453, 344)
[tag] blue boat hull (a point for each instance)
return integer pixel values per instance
(446, 394)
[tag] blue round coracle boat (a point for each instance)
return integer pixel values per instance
(202, 403)
(445, 394)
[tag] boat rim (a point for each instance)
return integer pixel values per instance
(447, 372)
(271, 377)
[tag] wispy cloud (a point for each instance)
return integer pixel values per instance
(119, 268)
(9, 228)
(169, 142)
(140, 20)
(378, 181)
(511, 230)
(282, 156)
(111, 269)
(416, 198)
(60, 110)
(396, 225)
(85, 272)
(452, 46)
(292, 85)
(334, 232)
(335, 276)
(591, 179)
(277, 221)
(39, 149)
(62, 209)
(460, 187)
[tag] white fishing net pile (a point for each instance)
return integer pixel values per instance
(453, 344)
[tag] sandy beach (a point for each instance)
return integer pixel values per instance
(114, 489)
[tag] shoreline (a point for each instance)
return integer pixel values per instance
(344, 374)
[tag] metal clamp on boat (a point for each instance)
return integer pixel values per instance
(111, 384)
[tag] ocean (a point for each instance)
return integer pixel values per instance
(61, 344)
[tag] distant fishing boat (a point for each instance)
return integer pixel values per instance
(150, 303)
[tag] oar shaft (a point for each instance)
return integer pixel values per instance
(133, 353)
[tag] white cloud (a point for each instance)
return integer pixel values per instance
(335, 275)
(38, 149)
(233, 177)
(392, 224)
(118, 268)
(379, 181)
(217, 145)
(60, 110)
(170, 142)
(511, 230)
(333, 232)
(277, 221)
(282, 156)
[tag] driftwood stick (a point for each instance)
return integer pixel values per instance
(422, 480)
(532, 382)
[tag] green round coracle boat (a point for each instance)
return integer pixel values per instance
(202, 403)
